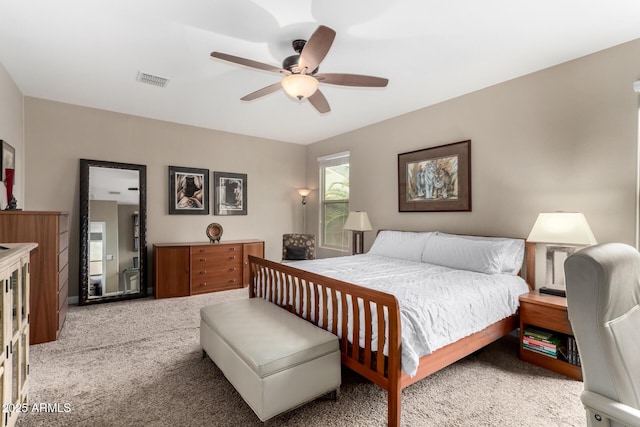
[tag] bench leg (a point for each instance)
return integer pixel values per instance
(204, 353)
(336, 394)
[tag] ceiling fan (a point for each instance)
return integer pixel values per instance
(301, 71)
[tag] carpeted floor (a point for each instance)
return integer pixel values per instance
(138, 363)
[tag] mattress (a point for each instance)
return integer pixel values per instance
(438, 305)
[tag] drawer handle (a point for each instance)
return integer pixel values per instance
(201, 250)
(203, 271)
(232, 269)
(203, 284)
(232, 281)
(232, 248)
(203, 259)
(232, 257)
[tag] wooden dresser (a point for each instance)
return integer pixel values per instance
(183, 269)
(49, 269)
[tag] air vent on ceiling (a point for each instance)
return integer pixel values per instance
(150, 79)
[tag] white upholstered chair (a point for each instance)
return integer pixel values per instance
(603, 300)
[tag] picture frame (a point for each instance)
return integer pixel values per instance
(435, 179)
(7, 159)
(188, 191)
(230, 193)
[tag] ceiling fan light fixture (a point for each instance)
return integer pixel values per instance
(299, 85)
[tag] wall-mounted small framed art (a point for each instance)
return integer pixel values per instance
(230, 193)
(7, 158)
(7, 175)
(435, 179)
(188, 191)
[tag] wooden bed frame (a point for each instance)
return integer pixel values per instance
(304, 290)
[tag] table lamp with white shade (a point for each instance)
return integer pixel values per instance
(562, 232)
(358, 222)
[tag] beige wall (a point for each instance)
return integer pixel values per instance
(12, 130)
(58, 135)
(563, 138)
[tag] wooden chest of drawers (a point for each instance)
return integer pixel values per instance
(49, 267)
(215, 268)
(183, 269)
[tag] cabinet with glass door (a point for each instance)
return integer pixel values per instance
(14, 335)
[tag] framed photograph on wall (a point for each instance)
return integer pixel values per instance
(188, 191)
(7, 159)
(230, 193)
(436, 179)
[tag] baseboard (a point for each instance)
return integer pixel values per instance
(76, 300)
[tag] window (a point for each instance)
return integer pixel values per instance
(334, 200)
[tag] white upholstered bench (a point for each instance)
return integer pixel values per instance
(274, 359)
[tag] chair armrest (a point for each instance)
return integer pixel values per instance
(610, 408)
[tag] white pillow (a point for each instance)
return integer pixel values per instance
(513, 250)
(406, 245)
(483, 256)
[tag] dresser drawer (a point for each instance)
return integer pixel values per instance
(216, 281)
(63, 295)
(63, 241)
(63, 221)
(215, 249)
(554, 319)
(63, 277)
(63, 259)
(214, 270)
(200, 261)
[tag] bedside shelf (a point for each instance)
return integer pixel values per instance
(546, 312)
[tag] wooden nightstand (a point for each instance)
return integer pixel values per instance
(547, 312)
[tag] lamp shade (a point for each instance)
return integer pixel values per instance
(299, 85)
(358, 221)
(570, 228)
(304, 192)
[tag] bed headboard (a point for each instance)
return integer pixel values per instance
(528, 271)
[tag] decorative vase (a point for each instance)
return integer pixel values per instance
(8, 181)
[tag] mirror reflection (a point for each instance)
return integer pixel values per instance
(112, 200)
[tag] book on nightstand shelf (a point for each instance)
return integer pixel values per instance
(541, 341)
(545, 342)
(539, 346)
(573, 356)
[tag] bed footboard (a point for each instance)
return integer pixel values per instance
(365, 335)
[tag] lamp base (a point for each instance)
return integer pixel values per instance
(553, 291)
(358, 242)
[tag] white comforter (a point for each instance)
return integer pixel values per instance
(438, 305)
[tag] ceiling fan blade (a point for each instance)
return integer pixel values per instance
(319, 102)
(248, 62)
(351, 80)
(316, 49)
(262, 92)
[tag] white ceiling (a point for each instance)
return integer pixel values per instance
(89, 52)
(119, 185)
